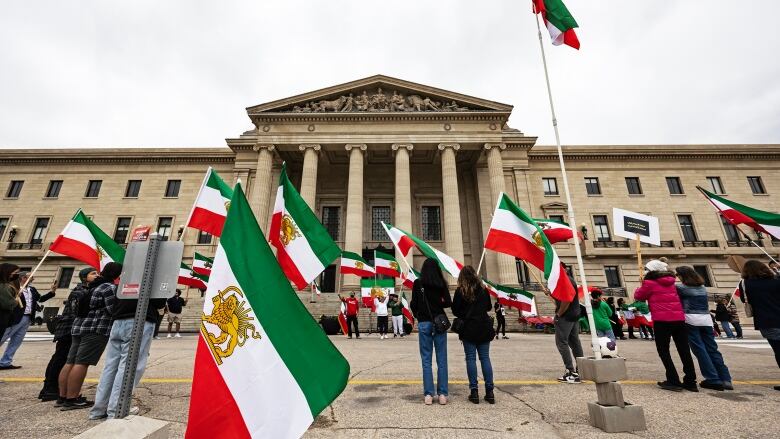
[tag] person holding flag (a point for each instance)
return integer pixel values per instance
(759, 289)
(397, 312)
(353, 307)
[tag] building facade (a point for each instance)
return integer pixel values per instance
(430, 161)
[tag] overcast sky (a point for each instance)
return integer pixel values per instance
(181, 73)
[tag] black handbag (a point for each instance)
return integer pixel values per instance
(440, 321)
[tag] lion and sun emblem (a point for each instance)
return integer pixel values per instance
(288, 231)
(231, 315)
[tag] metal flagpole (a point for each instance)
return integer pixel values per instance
(754, 243)
(593, 337)
(481, 258)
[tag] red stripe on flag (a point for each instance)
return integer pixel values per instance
(510, 243)
(207, 221)
(345, 269)
(76, 250)
(190, 282)
(289, 268)
(368, 302)
(203, 271)
(387, 271)
(409, 317)
(343, 324)
(570, 39)
(404, 245)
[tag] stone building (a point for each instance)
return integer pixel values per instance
(428, 160)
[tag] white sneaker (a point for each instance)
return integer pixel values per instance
(156, 337)
(178, 335)
(169, 336)
(133, 411)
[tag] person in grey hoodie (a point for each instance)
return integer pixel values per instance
(701, 337)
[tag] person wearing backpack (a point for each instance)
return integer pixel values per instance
(567, 337)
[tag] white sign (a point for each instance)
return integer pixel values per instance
(629, 224)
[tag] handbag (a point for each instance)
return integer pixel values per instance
(748, 306)
(440, 321)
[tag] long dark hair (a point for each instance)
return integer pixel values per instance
(5, 272)
(689, 276)
(468, 283)
(754, 269)
(431, 276)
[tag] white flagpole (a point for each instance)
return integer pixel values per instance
(584, 283)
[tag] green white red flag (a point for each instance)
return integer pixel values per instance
(514, 232)
(352, 263)
(371, 288)
(202, 264)
(446, 262)
(343, 318)
(303, 245)
(401, 241)
(511, 297)
(256, 374)
(409, 277)
(736, 213)
(386, 264)
(559, 22)
(190, 278)
(406, 310)
(211, 205)
(84, 241)
(556, 231)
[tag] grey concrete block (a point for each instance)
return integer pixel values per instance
(617, 419)
(610, 394)
(131, 427)
(602, 371)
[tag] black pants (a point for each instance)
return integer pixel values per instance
(647, 331)
(775, 344)
(352, 320)
(500, 324)
(617, 329)
(157, 325)
(50, 383)
(677, 331)
(381, 325)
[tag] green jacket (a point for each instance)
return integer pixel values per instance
(601, 316)
(7, 298)
(396, 307)
(641, 306)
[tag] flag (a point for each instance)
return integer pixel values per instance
(409, 277)
(316, 289)
(511, 297)
(736, 213)
(303, 246)
(352, 263)
(371, 288)
(82, 240)
(190, 278)
(446, 262)
(386, 264)
(558, 21)
(556, 231)
(256, 374)
(201, 264)
(512, 231)
(343, 318)
(402, 242)
(406, 310)
(211, 205)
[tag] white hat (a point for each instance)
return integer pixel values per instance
(656, 265)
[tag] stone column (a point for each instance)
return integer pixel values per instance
(353, 234)
(453, 235)
(309, 178)
(261, 188)
(403, 192)
(507, 273)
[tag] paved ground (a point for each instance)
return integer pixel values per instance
(384, 396)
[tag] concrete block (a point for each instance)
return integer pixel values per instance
(131, 427)
(610, 394)
(617, 419)
(602, 371)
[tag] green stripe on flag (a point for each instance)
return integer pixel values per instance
(216, 182)
(549, 252)
(353, 256)
(558, 14)
(104, 242)
(760, 216)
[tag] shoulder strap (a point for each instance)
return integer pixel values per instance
(744, 290)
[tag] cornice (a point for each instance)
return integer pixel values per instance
(115, 156)
(535, 156)
(261, 119)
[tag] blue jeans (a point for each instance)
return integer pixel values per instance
(726, 328)
(608, 333)
(117, 350)
(704, 347)
(471, 351)
(15, 336)
(429, 340)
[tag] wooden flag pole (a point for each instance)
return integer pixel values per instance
(639, 258)
(32, 273)
(544, 287)
(481, 258)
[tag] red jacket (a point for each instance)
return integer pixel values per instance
(352, 306)
(661, 296)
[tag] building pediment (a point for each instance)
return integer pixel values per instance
(554, 206)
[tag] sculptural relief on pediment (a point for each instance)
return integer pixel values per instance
(378, 101)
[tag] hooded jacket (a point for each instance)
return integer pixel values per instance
(661, 295)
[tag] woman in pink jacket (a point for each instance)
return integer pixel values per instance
(669, 323)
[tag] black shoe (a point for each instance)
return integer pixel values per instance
(505, 337)
(632, 338)
(349, 336)
(691, 387)
(474, 396)
(490, 397)
(76, 403)
(59, 402)
(776, 387)
(10, 367)
(666, 385)
(46, 397)
(712, 386)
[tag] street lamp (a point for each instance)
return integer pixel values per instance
(179, 232)
(12, 233)
(584, 230)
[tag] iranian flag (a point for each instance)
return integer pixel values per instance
(190, 278)
(371, 288)
(406, 310)
(736, 213)
(386, 264)
(514, 232)
(409, 277)
(401, 241)
(211, 205)
(202, 264)
(343, 318)
(446, 262)
(303, 246)
(556, 231)
(316, 289)
(511, 297)
(256, 375)
(352, 263)
(558, 21)
(83, 241)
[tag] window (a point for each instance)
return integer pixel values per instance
(164, 226)
(431, 223)
(328, 279)
(601, 228)
(704, 272)
(122, 229)
(204, 237)
(550, 186)
(732, 234)
(93, 188)
(634, 188)
(39, 230)
(592, 186)
(53, 191)
(674, 185)
(715, 185)
(612, 274)
(3, 226)
(14, 189)
(172, 188)
(686, 226)
(379, 214)
(331, 219)
(66, 274)
(556, 218)
(756, 185)
(133, 188)
(523, 276)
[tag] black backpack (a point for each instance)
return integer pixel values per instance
(80, 303)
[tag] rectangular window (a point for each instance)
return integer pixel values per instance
(3, 226)
(93, 188)
(39, 230)
(66, 274)
(612, 273)
(592, 186)
(715, 185)
(14, 189)
(686, 226)
(634, 188)
(331, 219)
(53, 191)
(704, 272)
(164, 226)
(328, 279)
(378, 215)
(557, 218)
(172, 188)
(133, 188)
(122, 229)
(732, 234)
(601, 228)
(431, 223)
(204, 237)
(550, 186)
(756, 185)
(674, 185)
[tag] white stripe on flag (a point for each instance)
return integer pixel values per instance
(79, 232)
(509, 222)
(211, 200)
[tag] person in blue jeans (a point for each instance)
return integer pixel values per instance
(701, 337)
(471, 303)
(430, 296)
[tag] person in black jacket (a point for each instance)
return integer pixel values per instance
(567, 338)
(22, 317)
(500, 311)
(430, 296)
(614, 319)
(472, 303)
(761, 289)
